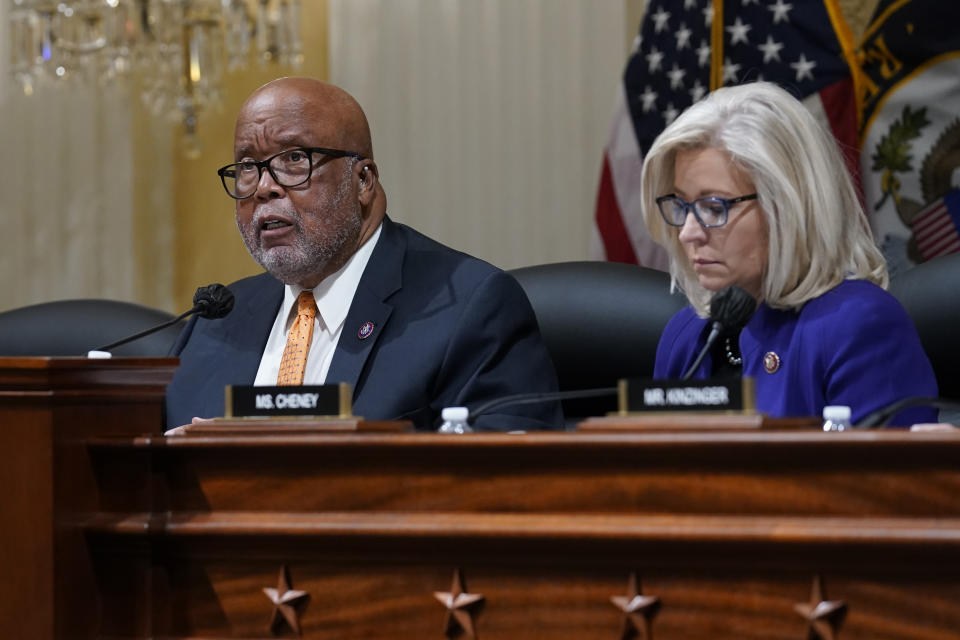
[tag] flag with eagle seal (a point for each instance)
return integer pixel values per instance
(909, 88)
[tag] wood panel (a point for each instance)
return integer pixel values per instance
(113, 531)
(728, 529)
(862, 473)
(49, 408)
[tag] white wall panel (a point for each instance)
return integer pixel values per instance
(489, 116)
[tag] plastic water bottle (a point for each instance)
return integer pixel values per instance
(836, 418)
(455, 420)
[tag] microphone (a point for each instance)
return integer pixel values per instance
(881, 417)
(212, 301)
(533, 398)
(730, 308)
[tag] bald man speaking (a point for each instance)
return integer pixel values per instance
(412, 325)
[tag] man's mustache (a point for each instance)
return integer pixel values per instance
(263, 213)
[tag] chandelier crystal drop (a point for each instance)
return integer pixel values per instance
(178, 50)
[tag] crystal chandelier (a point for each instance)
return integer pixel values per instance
(177, 49)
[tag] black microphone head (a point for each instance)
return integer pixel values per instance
(213, 301)
(732, 307)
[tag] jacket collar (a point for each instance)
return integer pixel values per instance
(370, 311)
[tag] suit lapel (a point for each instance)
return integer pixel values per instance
(250, 329)
(369, 312)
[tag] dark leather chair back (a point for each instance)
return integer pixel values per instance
(601, 322)
(73, 327)
(930, 292)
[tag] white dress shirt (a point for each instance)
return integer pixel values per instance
(334, 296)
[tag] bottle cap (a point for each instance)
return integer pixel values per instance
(455, 414)
(836, 413)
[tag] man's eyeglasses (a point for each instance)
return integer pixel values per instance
(710, 212)
(289, 168)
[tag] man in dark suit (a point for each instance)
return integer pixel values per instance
(413, 325)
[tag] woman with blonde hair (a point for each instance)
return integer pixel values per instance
(745, 188)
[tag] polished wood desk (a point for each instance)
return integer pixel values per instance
(725, 533)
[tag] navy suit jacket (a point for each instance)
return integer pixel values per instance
(853, 346)
(449, 330)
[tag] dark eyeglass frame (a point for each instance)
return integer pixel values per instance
(691, 207)
(224, 172)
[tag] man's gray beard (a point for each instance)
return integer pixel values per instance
(305, 256)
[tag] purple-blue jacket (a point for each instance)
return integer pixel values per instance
(854, 346)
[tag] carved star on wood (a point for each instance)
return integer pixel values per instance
(285, 601)
(823, 616)
(638, 611)
(461, 606)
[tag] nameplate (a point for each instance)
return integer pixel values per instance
(333, 400)
(642, 395)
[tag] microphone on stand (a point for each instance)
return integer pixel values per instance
(463, 417)
(536, 398)
(882, 416)
(212, 301)
(730, 308)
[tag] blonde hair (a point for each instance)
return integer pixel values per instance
(818, 232)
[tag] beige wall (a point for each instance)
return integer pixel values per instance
(488, 118)
(206, 245)
(634, 15)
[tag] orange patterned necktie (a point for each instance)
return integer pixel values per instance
(294, 361)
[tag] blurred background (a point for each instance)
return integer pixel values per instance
(489, 120)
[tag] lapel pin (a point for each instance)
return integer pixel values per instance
(365, 331)
(771, 362)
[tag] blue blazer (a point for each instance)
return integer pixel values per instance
(449, 330)
(854, 346)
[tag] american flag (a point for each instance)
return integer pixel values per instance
(937, 226)
(684, 49)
